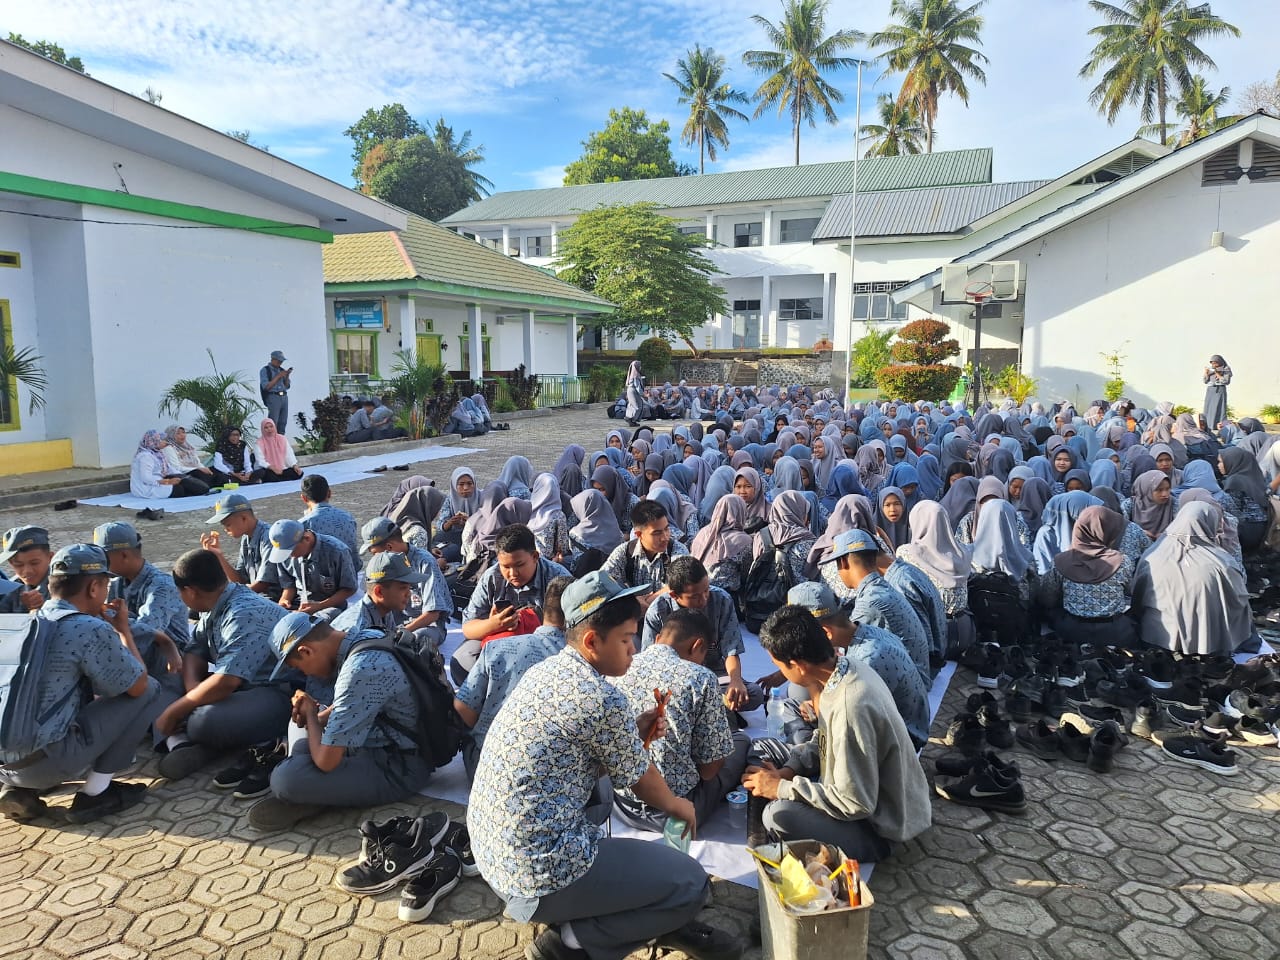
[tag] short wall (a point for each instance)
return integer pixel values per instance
(34, 457)
(702, 372)
(811, 371)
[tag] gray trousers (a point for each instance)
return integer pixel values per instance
(248, 716)
(102, 738)
(278, 411)
(634, 892)
(755, 693)
(366, 777)
(793, 820)
(706, 796)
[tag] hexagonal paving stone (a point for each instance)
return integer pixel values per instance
(422, 941)
(22, 895)
(187, 949)
(86, 893)
(1085, 943)
(1023, 877)
(248, 918)
(1231, 938)
(1140, 835)
(1023, 842)
(1154, 902)
(143, 861)
(919, 947)
(225, 886)
(488, 939)
(1083, 837)
(282, 851)
(1085, 810)
(166, 925)
(273, 946)
(946, 878)
(1014, 913)
(950, 843)
(1071, 866)
(1086, 907)
(352, 943)
(1222, 900)
(939, 917)
(1207, 863)
(1205, 832)
(470, 900)
(203, 856)
(293, 880)
(996, 943)
(1149, 939)
(318, 913)
(1149, 867)
(85, 861)
(25, 929)
(147, 893)
(77, 934)
(114, 951)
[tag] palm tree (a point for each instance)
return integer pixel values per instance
(700, 80)
(795, 65)
(898, 132)
(24, 366)
(1199, 107)
(1145, 48)
(225, 400)
(461, 157)
(932, 45)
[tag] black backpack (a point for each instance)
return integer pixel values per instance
(440, 730)
(23, 652)
(997, 607)
(764, 589)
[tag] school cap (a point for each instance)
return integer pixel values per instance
(392, 566)
(817, 598)
(231, 503)
(19, 538)
(79, 558)
(278, 355)
(587, 594)
(284, 536)
(289, 631)
(852, 541)
(377, 532)
(116, 535)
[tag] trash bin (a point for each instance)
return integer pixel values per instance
(838, 934)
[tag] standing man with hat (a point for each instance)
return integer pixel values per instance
(273, 383)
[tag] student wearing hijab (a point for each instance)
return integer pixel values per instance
(719, 485)
(748, 486)
(547, 520)
(517, 476)
(929, 471)
(1092, 581)
(723, 546)
(990, 489)
(826, 454)
(1103, 473)
(275, 455)
(959, 501)
(934, 550)
(1217, 376)
(482, 519)
(680, 478)
(1058, 519)
(998, 548)
(1077, 479)
(412, 507)
(147, 477)
(852, 512)
(462, 500)
(1244, 483)
(609, 481)
(1198, 474)
(1199, 445)
(891, 516)
(1151, 506)
(635, 399)
(1190, 597)
(597, 527)
(788, 528)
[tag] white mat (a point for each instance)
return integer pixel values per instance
(339, 471)
(720, 848)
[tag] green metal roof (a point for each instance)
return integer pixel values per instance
(430, 257)
(947, 168)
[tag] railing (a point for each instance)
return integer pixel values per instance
(556, 390)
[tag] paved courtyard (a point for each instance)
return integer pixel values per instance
(1152, 860)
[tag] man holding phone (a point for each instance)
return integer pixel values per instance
(273, 384)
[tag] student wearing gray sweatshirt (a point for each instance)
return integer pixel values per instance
(858, 783)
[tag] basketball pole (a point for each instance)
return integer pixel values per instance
(853, 236)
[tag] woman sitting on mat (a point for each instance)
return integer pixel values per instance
(276, 456)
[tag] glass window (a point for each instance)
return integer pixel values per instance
(872, 302)
(693, 231)
(355, 353)
(747, 234)
(803, 308)
(797, 231)
(538, 246)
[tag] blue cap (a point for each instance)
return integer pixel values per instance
(390, 566)
(116, 535)
(289, 631)
(19, 538)
(377, 532)
(852, 541)
(587, 594)
(815, 597)
(284, 536)
(79, 558)
(231, 503)
(277, 355)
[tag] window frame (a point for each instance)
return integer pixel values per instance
(812, 309)
(782, 229)
(756, 234)
(369, 335)
(529, 241)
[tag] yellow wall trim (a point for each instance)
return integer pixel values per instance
(34, 457)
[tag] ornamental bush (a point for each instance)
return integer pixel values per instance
(920, 372)
(654, 355)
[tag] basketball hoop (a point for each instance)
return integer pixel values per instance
(979, 291)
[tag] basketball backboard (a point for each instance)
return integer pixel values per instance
(999, 280)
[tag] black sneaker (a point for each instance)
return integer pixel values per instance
(1097, 715)
(1260, 733)
(1202, 754)
(184, 760)
(1069, 673)
(228, 778)
(987, 788)
(549, 946)
(423, 892)
(1102, 748)
(1149, 716)
(965, 734)
(701, 942)
(458, 841)
(1187, 693)
(389, 859)
(1074, 744)
(1125, 691)
(995, 726)
(958, 765)
(118, 796)
(1041, 739)
(1246, 703)
(1022, 708)
(991, 669)
(1182, 715)
(21, 803)
(1055, 702)
(257, 782)
(1157, 669)
(1219, 725)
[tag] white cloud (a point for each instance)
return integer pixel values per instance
(548, 176)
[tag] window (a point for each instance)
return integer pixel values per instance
(797, 231)
(356, 353)
(871, 302)
(805, 308)
(747, 234)
(10, 259)
(693, 231)
(9, 419)
(538, 246)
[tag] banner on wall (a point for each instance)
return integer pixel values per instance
(359, 314)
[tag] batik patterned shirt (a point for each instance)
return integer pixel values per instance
(337, 523)
(153, 603)
(499, 668)
(234, 638)
(727, 631)
(370, 688)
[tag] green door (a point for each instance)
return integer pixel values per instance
(429, 348)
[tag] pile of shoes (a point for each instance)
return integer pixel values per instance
(985, 780)
(430, 855)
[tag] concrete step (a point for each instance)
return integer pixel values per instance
(744, 373)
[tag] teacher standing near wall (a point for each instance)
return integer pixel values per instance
(1217, 375)
(273, 384)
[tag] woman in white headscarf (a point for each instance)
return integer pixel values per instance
(634, 395)
(547, 519)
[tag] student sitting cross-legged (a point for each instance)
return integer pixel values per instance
(699, 758)
(562, 726)
(234, 513)
(94, 699)
(430, 602)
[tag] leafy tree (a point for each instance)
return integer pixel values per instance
(1146, 49)
(460, 157)
(933, 44)
(920, 371)
(700, 80)
(870, 353)
(47, 48)
(638, 260)
(1199, 107)
(799, 56)
(25, 366)
(391, 122)
(899, 130)
(429, 175)
(630, 147)
(1261, 96)
(225, 400)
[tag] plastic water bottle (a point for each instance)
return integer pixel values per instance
(774, 713)
(671, 835)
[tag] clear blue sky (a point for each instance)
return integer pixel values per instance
(531, 80)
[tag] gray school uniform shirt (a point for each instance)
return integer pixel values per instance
(153, 603)
(631, 567)
(325, 518)
(434, 595)
(914, 584)
(251, 559)
(727, 639)
(326, 571)
(234, 638)
(493, 587)
(11, 602)
(499, 668)
(884, 653)
(369, 690)
(85, 659)
(878, 604)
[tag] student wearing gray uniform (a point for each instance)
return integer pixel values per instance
(357, 752)
(273, 385)
(95, 699)
(313, 570)
(234, 513)
(389, 580)
(157, 615)
(233, 699)
(430, 602)
(321, 516)
(26, 549)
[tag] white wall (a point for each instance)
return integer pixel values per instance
(1139, 275)
(18, 286)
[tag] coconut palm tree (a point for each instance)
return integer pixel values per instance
(26, 367)
(225, 400)
(1199, 107)
(460, 157)
(1146, 49)
(700, 80)
(932, 44)
(795, 64)
(898, 132)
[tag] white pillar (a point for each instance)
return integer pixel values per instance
(506, 240)
(571, 345)
(711, 225)
(829, 308)
(767, 331)
(528, 342)
(408, 326)
(555, 239)
(475, 345)
(766, 228)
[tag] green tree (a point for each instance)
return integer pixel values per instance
(1146, 51)
(899, 130)
(700, 80)
(1198, 107)
(657, 277)
(800, 55)
(225, 400)
(391, 122)
(459, 159)
(630, 147)
(49, 49)
(933, 45)
(430, 176)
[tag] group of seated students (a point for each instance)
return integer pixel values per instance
(372, 420)
(869, 525)
(167, 465)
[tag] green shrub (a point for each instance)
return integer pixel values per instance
(870, 353)
(920, 373)
(1015, 384)
(605, 383)
(1180, 409)
(1270, 413)
(1113, 389)
(523, 390)
(329, 425)
(224, 400)
(654, 355)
